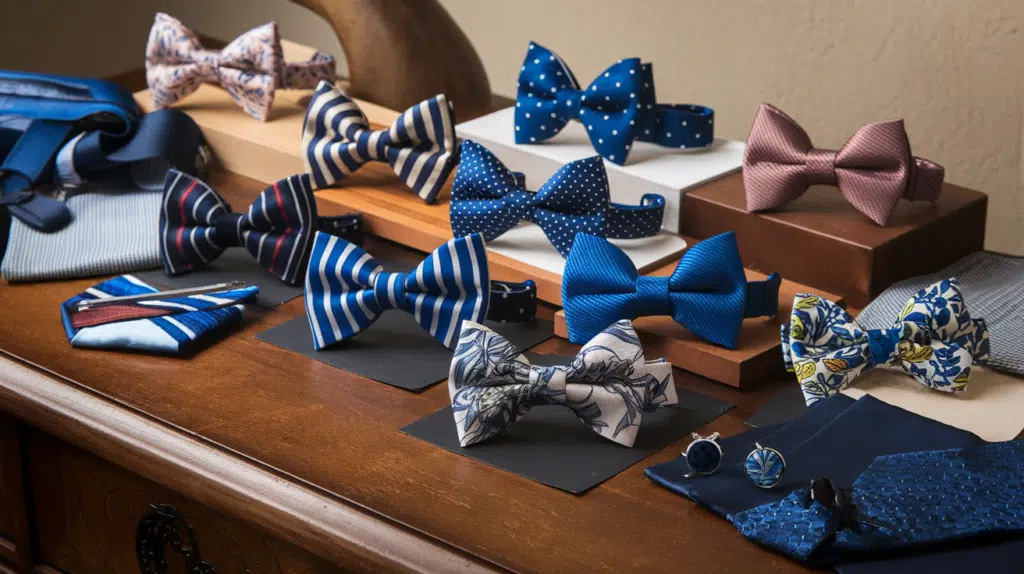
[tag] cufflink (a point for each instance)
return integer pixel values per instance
(703, 455)
(764, 466)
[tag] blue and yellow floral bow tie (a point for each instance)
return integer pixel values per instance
(708, 292)
(347, 289)
(608, 386)
(617, 108)
(934, 340)
(489, 198)
(419, 146)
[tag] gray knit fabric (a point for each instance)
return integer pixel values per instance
(114, 230)
(993, 287)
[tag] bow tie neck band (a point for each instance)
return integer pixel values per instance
(419, 146)
(617, 108)
(934, 340)
(197, 225)
(489, 198)
(608, 386)
(251, 68)
(708, 292)
(873, 170)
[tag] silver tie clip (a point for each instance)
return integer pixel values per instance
(86, 304)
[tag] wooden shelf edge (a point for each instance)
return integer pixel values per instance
(332, 529)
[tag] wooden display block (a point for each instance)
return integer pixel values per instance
(758, 353)
(821, 240)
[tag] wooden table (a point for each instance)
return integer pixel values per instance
(285, 464)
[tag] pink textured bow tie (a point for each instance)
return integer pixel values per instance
(873, 170)
(250, 68)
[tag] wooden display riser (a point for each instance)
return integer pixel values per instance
(758, 353)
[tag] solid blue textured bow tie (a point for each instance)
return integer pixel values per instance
(490, 199)
(419, 146)
(708, 292)
(617, 108)
(901, 501)
(197, 225)
(347, 289)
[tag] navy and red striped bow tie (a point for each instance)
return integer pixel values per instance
(197, 225)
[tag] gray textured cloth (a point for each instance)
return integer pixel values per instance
(993, 287)
(114, 230)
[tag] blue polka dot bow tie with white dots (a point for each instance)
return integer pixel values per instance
(490, 199)
(617, 108)
(708, 292)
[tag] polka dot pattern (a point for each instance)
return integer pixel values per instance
(490, 199)
(618, 107)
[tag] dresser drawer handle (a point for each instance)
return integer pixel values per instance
(163, 526)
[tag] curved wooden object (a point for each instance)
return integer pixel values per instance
(400, 53)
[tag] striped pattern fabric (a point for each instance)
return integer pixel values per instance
(419, 145)
(113, 231)
(347, 289)
(197, 225)
(992, 284)
(173, 326)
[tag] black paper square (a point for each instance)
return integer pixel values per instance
(785, 405)
(234, 264)
(550, 446)
(395, 350)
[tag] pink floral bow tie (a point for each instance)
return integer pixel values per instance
(873, 170)
(250, 68)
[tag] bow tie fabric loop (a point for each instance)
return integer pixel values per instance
(873, 170)
(251, 68)
(419, 146)
(197, 225)
(934, 340)
(608, 385)
(347, 289)
(489, 198)
(707, 293)
(617, 108)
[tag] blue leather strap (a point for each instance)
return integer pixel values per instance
(25, 165)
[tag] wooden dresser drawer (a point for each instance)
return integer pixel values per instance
(88, 510)
(13, 527)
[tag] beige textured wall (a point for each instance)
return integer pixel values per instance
(951, 68)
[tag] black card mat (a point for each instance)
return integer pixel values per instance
(785, 405)
(395, 350)
(233, 265)
(551, 446)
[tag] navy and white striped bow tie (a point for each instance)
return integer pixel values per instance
(419, 145)
(197, 225)
(347, 289)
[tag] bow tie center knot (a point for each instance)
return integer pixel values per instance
(547, 385)
(369, 143)
(652, 297)
(821, 167)
(520, 202)
(207, 62)
(389, 290)
(227, 230)
(883, 345)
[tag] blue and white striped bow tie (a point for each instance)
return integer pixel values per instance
(347, 289)
(419, 145)
(169, 326)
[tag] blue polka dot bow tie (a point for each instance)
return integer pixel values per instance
(419, 146)
(347, 289)
(901, 501)
(197, 225)
(617, 108)
(608, 386)
(490, 199)
(708, 292)
(934, 340)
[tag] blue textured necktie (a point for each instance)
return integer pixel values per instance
(708, 292)
(489, 198)
(901, 501)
